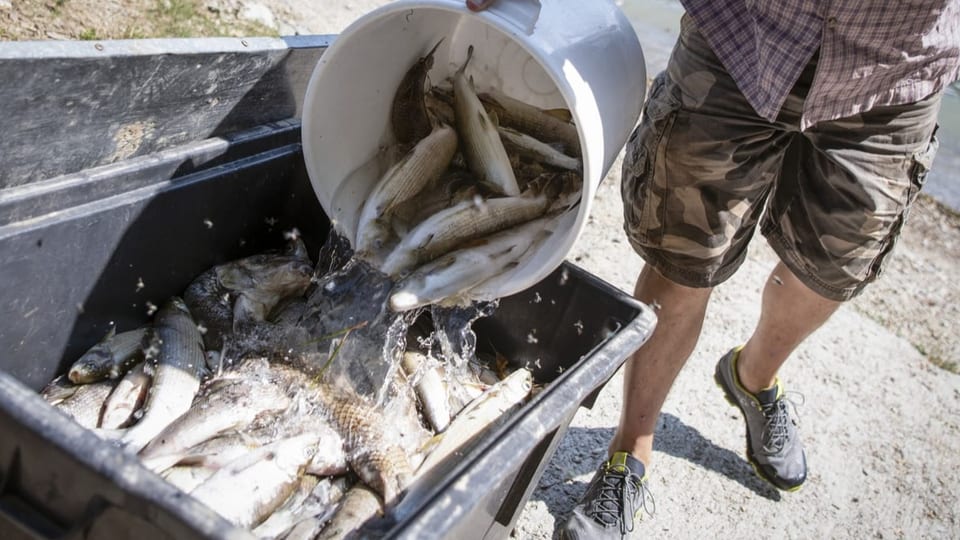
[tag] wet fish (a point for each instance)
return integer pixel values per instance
(455, 186)
(417, 169)
(482, 146)
(188, 478)
(285, 516)
(429, 387)
(111, 358)
(358, 506)
(249, 489)
(485, 411)
(460, 224)
(86, 404)
(228, 403)
(408, 115)
(177, 352)
(58, 390)
(531, 147)
(252, 286)
(372, 455)
(317, 509)
(444, 281)
(127, 397)
(532, 121)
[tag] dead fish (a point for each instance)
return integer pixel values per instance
(531, 147)
(317, 509)
(86, 404)
(487, 410)
(456, 226)
(482, 146)
(380, 463)
(126, 399)
(249, 489)
(429, 387)
(444, 281)
(263, 281)
(533, 121)
(177, 351)
(58, 390)
(440, 106)
(358, 506)
(188, 478)
(225, 404)
(417, 169)
(111, 358)
(455, 186)
(409, 116)
(284, 517)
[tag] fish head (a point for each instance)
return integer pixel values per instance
(93, 366)
(177, 304)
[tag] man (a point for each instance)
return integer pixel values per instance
(825, 114)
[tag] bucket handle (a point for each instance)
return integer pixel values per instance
(521, 14)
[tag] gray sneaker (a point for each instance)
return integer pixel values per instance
(614, 499)
(773, 442)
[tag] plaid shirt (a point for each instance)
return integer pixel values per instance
(883, 52)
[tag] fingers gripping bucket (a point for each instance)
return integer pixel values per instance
(574, 54)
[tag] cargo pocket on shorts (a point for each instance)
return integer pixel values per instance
(922, 162)
(640, 207)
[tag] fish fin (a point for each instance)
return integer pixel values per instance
(429, 56)
(110, 333)
(494, 119)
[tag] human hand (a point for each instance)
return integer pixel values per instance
(478, 5)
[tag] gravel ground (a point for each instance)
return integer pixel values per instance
(879, 418)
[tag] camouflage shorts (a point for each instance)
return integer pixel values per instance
(702, 165)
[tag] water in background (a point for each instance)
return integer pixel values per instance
(657, 23)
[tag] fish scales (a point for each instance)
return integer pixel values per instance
(180, 363)
(358, 506)
(409, 116)
(86, 404)
(380, 463)
(532, 121)
(459, 224)
(482, 146)
(531, 147)
(420, 167)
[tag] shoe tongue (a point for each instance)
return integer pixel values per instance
(769, 395)
(623, 462)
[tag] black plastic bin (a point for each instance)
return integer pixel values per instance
(107, 237)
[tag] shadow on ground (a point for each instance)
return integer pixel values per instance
(582, 450)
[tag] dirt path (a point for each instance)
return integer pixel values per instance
(879, 419)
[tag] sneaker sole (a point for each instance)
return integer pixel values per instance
(718, 380)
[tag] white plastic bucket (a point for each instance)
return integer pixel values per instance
(579, 54)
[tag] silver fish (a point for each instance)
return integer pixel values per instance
(188, 478)
(417, 169)
(110, 358)
(458, 225)
(126, 398)
(487, 410)
(180, 363)
(317, 509)
(533, 121)
(225, 404)
(445, 280)
(86, 404)
(358, 506)
(249, 489)
(482, 146)
(428, 385)
(531, 147)
(285, 516)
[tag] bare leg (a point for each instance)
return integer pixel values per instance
(791, 312)
(650, 372)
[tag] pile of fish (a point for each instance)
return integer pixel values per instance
(469, 198)
(265, 442)
(216, 395)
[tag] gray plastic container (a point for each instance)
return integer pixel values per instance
(79, 233)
